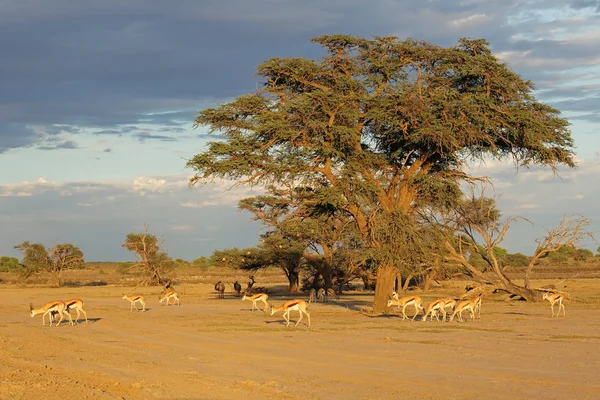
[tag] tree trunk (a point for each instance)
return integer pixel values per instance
(407, 281)
(293, 276)
(57, 279)
(526, 293)
(386, 277)
(428, 279)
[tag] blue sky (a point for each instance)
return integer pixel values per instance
(98, 98)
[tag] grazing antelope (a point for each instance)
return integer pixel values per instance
(469, 304)
(76, 304)
(48, 308)
(433, 307)
(292, 305)
(135, 299)
(321, 294)
(331, 294)
(406, 301)
(220, 287)
(257, 297)
(554, 298)
(312, 295)
(168, 296)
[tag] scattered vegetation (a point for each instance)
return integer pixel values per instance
(37, 259)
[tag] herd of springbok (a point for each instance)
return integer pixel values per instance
(439, 309)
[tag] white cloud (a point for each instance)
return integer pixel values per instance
(474, 19)
(181, 227)
(529, 206)
(198, 204)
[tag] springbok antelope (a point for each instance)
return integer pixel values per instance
(321, 294)
(292, 305)
(433, 307)
(312, 295)
(135, 299)
(168, 296)
(554, 298)
(76, 304)
(406, 301)
(331, 295)
(48, 308)
(257, 297)
(469, 304)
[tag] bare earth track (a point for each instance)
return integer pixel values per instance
(217, 349)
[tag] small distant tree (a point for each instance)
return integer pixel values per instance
(583, 255)
(37, 259)
(64, 256)
(153, 262)
(9, 264)
(515, 260)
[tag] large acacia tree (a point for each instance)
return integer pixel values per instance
(383, 127)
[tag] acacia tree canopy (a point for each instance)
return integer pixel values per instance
(383, 126)
(153, 262)
(36, 259)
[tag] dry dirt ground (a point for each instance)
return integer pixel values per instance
(218, 349)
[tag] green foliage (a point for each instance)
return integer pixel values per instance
(10, 264)
(373, 134)
(516, 260)
(583, 255)
(153, 262)
(37, 259)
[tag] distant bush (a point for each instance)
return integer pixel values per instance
(515, 260)
(124, 267)
(9, 264)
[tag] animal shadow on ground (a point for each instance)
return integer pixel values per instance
(90, 321)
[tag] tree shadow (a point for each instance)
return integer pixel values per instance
(86, 284)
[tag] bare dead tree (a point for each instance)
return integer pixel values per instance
(571, 230)
(152, 261)
(478, 220)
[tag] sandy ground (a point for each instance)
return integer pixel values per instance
(218, 349)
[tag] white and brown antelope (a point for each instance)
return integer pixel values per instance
(135, 299)
(406, 301)
(554, 298)
(469, 304)
(292, 305)
(312, 295)
(331, 295)
(257, 297)
(168, 296)
(77, 305)
(449, 303)
(321, 294)
(433, 308)
(49, 308)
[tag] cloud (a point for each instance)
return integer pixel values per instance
(199, 204)
(98, 215)
(181, 227)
